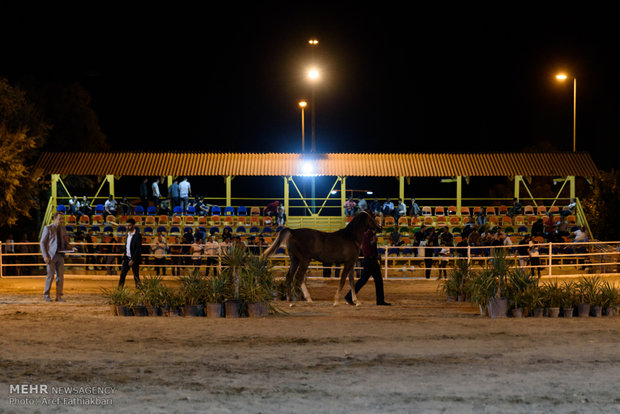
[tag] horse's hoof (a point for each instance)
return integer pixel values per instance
(358, 304)
(335, 303)
(290, 305)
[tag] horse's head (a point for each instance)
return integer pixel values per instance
(370, 223)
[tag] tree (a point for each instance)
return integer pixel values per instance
(602, 206)
(22, 131)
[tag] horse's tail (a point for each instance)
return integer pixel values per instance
(283, 236)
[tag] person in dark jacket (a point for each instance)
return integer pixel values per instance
(371, 268)
(133, 253)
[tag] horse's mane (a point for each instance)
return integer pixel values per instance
(357, 221)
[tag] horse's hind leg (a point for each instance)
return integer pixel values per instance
(289, 278)
(300, 276)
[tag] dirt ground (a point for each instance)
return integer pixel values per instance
(419, 355)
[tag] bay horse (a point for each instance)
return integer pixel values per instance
(342, 246)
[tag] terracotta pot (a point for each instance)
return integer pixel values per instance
(553, 312)
(257, 310)
(214, 310)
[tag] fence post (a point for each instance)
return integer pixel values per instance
(385, 270)
(550, 257)
(1, 257)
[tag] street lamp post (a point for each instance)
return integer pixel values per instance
(302, 105)
(313, 75)
(563, 77)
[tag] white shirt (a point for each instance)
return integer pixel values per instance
(184, 189)
(212, 248)
(128, 244)
(155, 188)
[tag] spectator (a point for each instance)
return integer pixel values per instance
(395, 239)
(402, 209)
(176, 252)
(415, 208)
(444, 254)
(579, 235)
(481, 218)
(569, 209)
(85, 206)
(271, 209)
(197, 251)
(446, 237)
(362, 205)
(9, 250)
(185, 191)
(227, 234)
(125, 206)
(212, 251)
(388, 208)
(202, 209)
(144, 193)
(538, 228)
(164, 207)
(534, 256)
(523, 251)
(155, 192)
(563, 229)
(349, 207)
(425, 252)
(517, 208)
(74, 205)
(173, 193)
(375, 206)
(281, 216)
(110, 205)
(91, 250)
(109, 249)
(159, 249)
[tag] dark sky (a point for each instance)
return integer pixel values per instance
(415, 79)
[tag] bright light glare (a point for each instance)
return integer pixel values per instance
(303, 104)
(334, 192)
(561, 76)
(369, 192)
(313, 42)
(307, 168)
(313, 74)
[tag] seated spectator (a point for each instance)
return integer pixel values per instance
(517, 207)
(395, 239)
(164, 207)
(579, 235)
(402, 209)
(446, 237)
(349, 207)
(388, 207)
(110, 205)
(415, 208)
(375, 206)
(74, 205)
(85, 207)
(569, 209)
(362, 205)
(271, 209)
(125, 207)
(563, 228)
(481, 218)
(203, 208)
(227, 234)
(538, 228)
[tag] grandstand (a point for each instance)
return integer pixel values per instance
(246, 220)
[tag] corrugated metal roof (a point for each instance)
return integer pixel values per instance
(281, 164)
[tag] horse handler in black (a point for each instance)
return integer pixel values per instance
(133, 253)
(371, 268)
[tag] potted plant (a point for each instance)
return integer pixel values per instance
(552, 294)
(151, 292)
(533, 301)
(233, 262)
(193, 288)
(256, 286)
(455, 285)
(480, 289)
(519, 281)
(597, 302)
(498, 303)
(568, 299)
(109, 296)
(174, 302)
(216, 290)
(610, 298)
(586, 289)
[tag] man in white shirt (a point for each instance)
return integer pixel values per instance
(155, 190)
(212, 251)
(185, 191)
(110, 205)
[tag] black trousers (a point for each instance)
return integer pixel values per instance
(135, 268)
(371, 268)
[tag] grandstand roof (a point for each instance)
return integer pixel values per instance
(285, 164)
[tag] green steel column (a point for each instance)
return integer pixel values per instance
(228, 190)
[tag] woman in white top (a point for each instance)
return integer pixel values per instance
(159, 249)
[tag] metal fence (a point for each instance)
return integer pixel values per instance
(554, 259)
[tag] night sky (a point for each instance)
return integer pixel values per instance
(394, 79)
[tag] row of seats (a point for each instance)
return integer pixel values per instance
(191, 211)
(451, 221)
(164, 220)
(489, 211)
(121, 230)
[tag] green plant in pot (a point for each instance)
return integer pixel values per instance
(568, 299)
(121, 298)
(533, 300)
(193, 288)
(552, 297)
(152, 292)
(455, 285)
(234, 262)
(256, 285)
(586, 290)
(498, 274)
(519, 281)
(217, 289)
(174, 301)
(610, 298)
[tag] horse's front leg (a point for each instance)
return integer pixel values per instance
(301, 275)
(352, 285)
